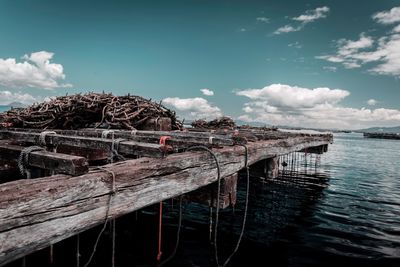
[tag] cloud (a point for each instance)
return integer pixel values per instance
(308, 17)
(287, 29)
(281, 95)
(312, 15)
(7, 97)
(372, 102)
(193, 108)
(35, 70)
(263, 19)
(279, 104)
(207, 92)
(295, 45)
(384, 52)
(388, 17)
(330, 68)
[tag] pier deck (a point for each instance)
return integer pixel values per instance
(38, 212)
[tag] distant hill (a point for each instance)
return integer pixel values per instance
(16, 105)
(381, 130)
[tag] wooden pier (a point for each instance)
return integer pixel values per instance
(395, 136)
(74, 186)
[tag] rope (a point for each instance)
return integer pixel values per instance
(218, 193)
(159, 233)
(23, 159)
(218, 203)
(78, 255)
(105, 133)
(115, 148)
(113, 192)
(42, 137)
(114, 145)
(113, 243)
(51, 254)
(178, 233)
(245, 208)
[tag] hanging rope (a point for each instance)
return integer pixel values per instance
(78, 255)
(113, 192)
(115, 148)
(178, 233)
(218, 202)
(23, 160)
(245, 207)
(114, 145)
(218, 193)
(159, 253)
(113, 243)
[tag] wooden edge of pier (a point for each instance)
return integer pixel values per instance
(35, 213)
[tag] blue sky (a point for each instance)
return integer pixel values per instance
(330, 64)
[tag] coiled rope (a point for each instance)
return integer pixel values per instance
(42, 137)
(23, 160)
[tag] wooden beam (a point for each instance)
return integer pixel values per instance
(60, 163)
(125, 147)
(178, 139)
(36, 213)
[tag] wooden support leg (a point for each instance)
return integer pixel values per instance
(272, 167)
(207, 194)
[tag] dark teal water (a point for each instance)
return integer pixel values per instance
(345, 211)
(4, 108)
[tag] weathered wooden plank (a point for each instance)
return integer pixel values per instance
(38, 212)
(179, 139)
(125, 147)
(59, 163)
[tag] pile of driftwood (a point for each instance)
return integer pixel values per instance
(89, 110)
(219, 123)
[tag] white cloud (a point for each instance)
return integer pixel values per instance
(287, 29)
(372, 102)
(312, 15)
(384, 52)
(193, 108)
(282, 95)
(35, 70)
(330, 68)
(308, 17)
(263, 19)
(279, 104)
(295, 45)
(347, 47)
(7, 97)
(388, 17)
(396, 29)
(207, 92)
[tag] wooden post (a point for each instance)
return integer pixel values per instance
(272, 167)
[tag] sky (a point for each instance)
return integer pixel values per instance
(321, 64)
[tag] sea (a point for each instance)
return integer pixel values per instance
(341, 208)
